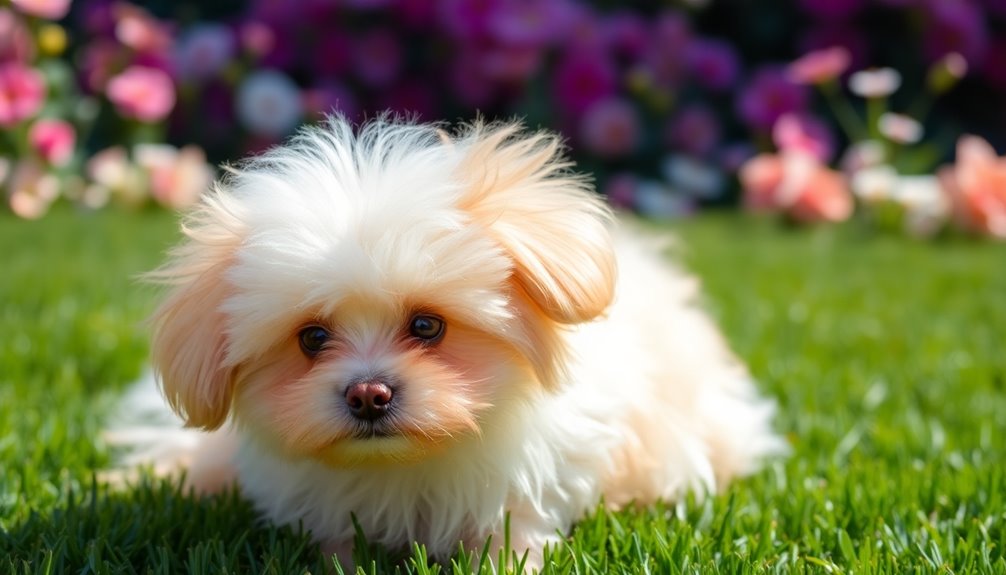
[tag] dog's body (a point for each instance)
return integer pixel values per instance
(424, 332)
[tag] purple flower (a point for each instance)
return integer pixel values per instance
(582, 78)
(695, 130)
(416, 14)
(586, 30)
(377, 58)
(328, 97)
(468, 80)
(203, 51)
(610, 128)
(627, 34)
(734, 155)
(829, 37)
(331, 57)
(767, 96)
(832, 9)
(521, 23)
(955, 27)
(511, 64)
(713, 64)
(669, 43)
(414, 98)
(620, 189)
(467, 19)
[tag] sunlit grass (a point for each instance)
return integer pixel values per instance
(886, 356)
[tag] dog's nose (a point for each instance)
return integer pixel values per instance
(369, 400)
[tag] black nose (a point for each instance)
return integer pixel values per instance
(369, 400)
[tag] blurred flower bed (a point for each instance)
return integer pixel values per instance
(814, 110)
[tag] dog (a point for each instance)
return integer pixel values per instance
(438, 335)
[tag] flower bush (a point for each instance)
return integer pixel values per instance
(665, 104)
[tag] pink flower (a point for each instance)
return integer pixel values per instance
(53, 140)
(22, 92)
(825, 36)
(797, 185)
(48, 9)
(769, 95)
(137, 29)
(804, 133)
(377, 58)
(583, 78)
(16, 42)
(145, 94)
(177, 177)
(257, 38)
(819, 67)
(900, 128)
(976, 185)
(610, 128)
(514, 64)
(31, 189)
(713, 63)
(694, 130)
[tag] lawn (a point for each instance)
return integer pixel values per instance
(886, 356)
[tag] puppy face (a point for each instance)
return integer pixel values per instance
(373, 297)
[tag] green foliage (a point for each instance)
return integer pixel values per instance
(885, 355)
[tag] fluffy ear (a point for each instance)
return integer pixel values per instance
(549, 219)
(189, 341)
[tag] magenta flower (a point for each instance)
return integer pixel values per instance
(53, 140)
(257, 38)
(610, 128)
(695, 130)
(377, 58)
(416, 14)
(804, 133)
(955, 27)
(413, 98)
(333, 55)
(48, 9)
(832, 9)
(204, 50)
(713, 64)
(830, 35)
(583, 78)
(820, 66)
(142, 93)
(22, 92)
(97, 63)
(768, 95)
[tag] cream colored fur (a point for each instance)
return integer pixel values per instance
(562, 377)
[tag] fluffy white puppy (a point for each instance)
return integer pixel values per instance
(430, 332)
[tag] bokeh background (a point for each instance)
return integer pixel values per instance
(817, 110)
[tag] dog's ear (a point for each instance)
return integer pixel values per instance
(549, 220)
(189, 341)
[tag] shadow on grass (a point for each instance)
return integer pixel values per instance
(154, 527)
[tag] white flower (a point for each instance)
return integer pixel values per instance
(874, 184)
(900, 128)
(203, 51)
(925, 204)
(876, 83)
(862, 155)
(269, 103)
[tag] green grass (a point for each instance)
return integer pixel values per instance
(886, 356)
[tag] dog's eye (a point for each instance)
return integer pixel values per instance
(428, 328)
(312, 339)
